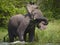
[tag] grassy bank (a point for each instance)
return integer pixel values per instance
(51, 34)
(3, 32)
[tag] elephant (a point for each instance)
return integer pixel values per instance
(19, 25)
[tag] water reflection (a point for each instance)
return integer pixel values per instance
(34, 43)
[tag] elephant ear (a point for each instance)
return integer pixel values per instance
(31, 7)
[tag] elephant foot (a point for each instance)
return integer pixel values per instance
(21, 42)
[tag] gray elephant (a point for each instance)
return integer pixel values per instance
(19, 25)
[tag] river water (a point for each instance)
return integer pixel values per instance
(34, 43)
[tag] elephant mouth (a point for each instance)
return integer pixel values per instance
(41, 28)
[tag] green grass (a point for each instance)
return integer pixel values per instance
(50, 35)
(3, 32)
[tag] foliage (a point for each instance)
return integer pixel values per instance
(8, 8)
(56, 9)
(50, 8)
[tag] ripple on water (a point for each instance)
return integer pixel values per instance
(25, 43)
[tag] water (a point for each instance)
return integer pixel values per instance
(26, 43)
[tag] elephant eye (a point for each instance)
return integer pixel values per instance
(35, 13)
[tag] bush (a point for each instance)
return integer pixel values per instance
(8, 9)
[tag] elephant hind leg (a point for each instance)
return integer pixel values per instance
(11, 38)
(24, 36)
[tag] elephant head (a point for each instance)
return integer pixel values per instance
(34, 11)
(37, 15)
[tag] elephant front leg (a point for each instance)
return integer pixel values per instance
(31, 36)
